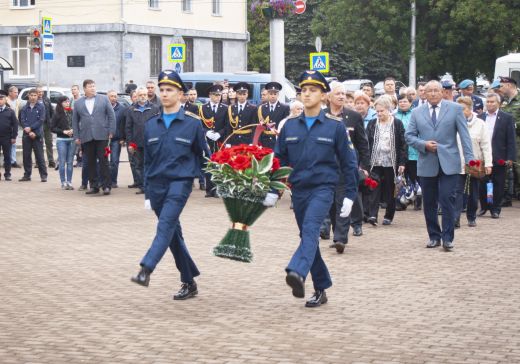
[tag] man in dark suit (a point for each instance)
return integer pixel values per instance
(8, 132)
(47, 135)
(432, 131)
(354, 125)
(94, 123)
(271, 113)
(502, 129)
(213, 115)
(421, 95)
(240, 115)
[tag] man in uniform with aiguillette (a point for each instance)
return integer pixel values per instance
(271, 113)
(240, 115)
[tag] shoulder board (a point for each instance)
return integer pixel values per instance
(333, 117)
(189, 113)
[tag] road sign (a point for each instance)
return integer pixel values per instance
(48, 47)
(300, 6)
(46, 25)
(319, 61)
(177, 52)
(178, 67)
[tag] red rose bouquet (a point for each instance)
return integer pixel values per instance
(371, 183)
(476, 169)
(243, 175)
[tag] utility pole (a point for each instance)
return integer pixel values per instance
(277, 49)
(412, 66)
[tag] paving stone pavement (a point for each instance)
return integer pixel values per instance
(66, 296)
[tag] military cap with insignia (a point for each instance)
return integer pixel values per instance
(3, 93)
(241, 86)
(215, 89)
(314, 78)
(169, 77)
(507, 80)
(298, 90)
(273, 86)
(465, 84)
(447, 85)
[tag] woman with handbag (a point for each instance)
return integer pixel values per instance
(388, 156)
(481, 141)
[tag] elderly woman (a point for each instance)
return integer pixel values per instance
(388, 155)
(362, 106)
(481, 142)
(296, 108)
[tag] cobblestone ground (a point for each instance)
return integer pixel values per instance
(66, 296)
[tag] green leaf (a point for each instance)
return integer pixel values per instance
(278, 185)
(281, 173)
(254, 167)
(266, 164)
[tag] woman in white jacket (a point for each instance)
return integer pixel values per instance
(481, 141)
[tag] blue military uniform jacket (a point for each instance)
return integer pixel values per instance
(317, 155)
(174, 153)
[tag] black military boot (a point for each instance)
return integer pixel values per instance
(143, 277)
(187, 290)
(318, 298)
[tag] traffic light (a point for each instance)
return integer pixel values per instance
(36, 40)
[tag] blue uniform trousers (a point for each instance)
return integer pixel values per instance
(440, 191)
(311, 206)
(167, 200)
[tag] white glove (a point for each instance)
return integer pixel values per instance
(147, 205)
(228, 145)
(210, 134)
(346, 208)
(216, 136)
(270, 199)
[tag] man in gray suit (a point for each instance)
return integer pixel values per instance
(94, 123)
(432, 130)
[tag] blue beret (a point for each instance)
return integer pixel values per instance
(466, 83)
(447, 85)
(495, 84)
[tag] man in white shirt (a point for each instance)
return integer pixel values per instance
(14, 104)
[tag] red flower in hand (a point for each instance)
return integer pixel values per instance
(276, 165)
(132, 145)
(477, 163)
(472, 163)
(107, 151)
(371, 183)
(501, 162)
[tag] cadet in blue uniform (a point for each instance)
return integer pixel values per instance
(174, 144)
(317, 146)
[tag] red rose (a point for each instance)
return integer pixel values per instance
(221, 157)
(472, 163)
(132, 145)
(374, 184)
(501, 162)
(107, 151)
(276, 165)
(477, 163)
(240, 162)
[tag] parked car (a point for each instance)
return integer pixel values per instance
(55, 93)
(356, 85)
(202, 80)
(122, 98)
(379, 88)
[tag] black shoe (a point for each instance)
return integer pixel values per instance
(333, 245)
(358, 231)
(57, 166)
(7, 178)
(133, 185)
(481, 212)
(372, 221)
(187, 290)
(433, 244)
(52, 165)
(140, 192)
(495, 215)
(318, 298)
(24, 179)
(324, 235)
(82, 188)
(296, 282)
(387, 222)
(114, 185)
(202, 186)
(142, 278)
(106, 191)
(457, 223)
(472, 223)
(15, 165)
(44, 179)
(340, 247)
(447, 245)
(92, 191)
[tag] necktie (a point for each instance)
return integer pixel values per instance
(434, 114)
(272, 108)
(214, 109)
(239, 109)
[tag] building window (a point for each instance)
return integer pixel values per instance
(153, 4)
(186, 6)
(23, 3)
(188, 64)
(23, 58)
(155, 55)
(218, 59)
(216, 7)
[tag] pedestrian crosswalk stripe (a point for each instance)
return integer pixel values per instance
(319, 64)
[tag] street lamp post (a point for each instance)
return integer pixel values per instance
(412, 66)
(277, 50)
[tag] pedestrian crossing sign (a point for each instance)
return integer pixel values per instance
(319, 62)
(46, 25)
(177, 53)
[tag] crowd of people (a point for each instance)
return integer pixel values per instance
(428, 148)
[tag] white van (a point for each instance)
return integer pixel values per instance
(508, 66)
